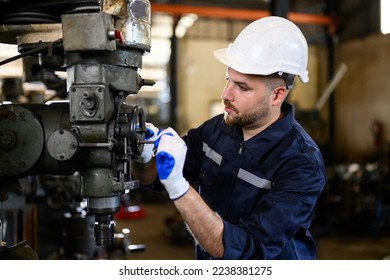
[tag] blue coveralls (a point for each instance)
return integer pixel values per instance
(264, 188)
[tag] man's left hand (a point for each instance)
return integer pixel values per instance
(170, 157)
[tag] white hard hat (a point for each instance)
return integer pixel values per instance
(267, 46)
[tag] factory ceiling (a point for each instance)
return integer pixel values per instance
(303, 11)
(42, 11)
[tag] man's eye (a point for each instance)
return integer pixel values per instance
(243, 88)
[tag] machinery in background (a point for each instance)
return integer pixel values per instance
(356, 198)
(100, 45)
(355, 201)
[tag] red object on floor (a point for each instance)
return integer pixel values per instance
(130, 212)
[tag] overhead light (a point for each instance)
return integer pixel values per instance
(185, 22)
(385, 20)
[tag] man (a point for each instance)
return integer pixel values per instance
(246, 181)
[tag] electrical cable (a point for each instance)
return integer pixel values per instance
(48, 46)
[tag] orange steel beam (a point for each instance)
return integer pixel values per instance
(240, 14)
(212, 12)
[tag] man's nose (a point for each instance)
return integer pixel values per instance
(227, 93)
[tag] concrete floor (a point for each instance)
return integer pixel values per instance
(152, 231)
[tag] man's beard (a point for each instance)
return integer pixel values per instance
(250, 119)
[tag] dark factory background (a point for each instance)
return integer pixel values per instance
(345, 108)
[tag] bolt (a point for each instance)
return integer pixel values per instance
(88, 95)
(7, 140)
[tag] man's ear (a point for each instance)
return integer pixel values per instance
(279, 95)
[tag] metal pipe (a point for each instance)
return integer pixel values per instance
(331, 86)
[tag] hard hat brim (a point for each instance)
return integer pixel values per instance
(223, 56)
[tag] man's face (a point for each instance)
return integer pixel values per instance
(247, 100)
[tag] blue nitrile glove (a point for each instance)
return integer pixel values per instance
(170, 157)
(151, 135)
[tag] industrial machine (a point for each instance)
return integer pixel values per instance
(100, 45)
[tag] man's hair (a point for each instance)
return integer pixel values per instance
(288, 78)
(275, 80)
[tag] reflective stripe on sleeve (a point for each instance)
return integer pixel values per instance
(254, 180)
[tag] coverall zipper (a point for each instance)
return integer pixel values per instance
(240, 149)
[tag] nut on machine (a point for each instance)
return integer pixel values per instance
(95, 133)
